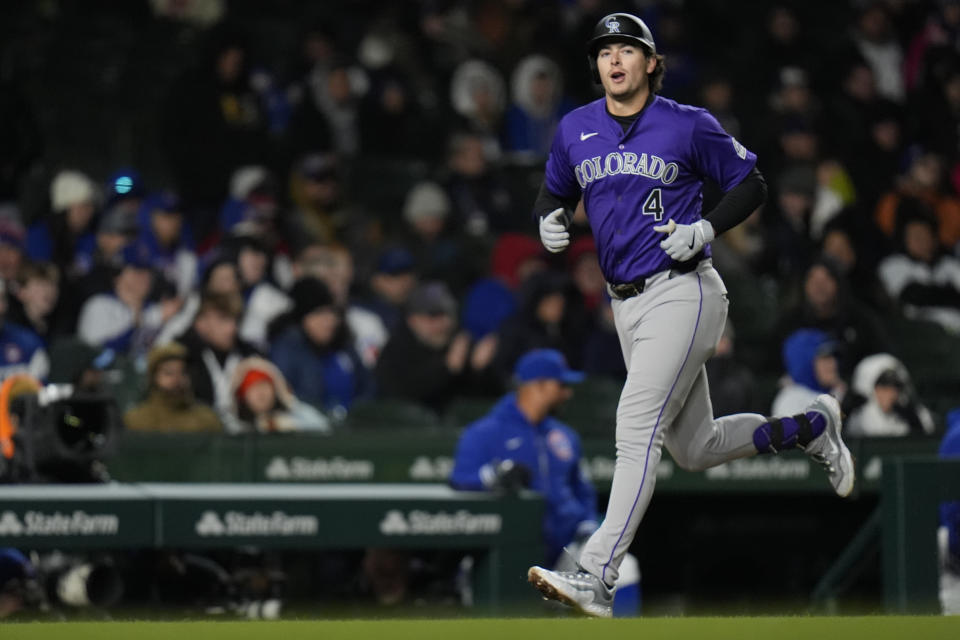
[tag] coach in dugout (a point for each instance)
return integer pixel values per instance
(519, 444)
(949, 533)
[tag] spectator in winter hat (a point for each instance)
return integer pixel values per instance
(66, 236)
(315, 351)
(425, 209)
(262, 402)
(478, 95)
(537, 106)
(434, 238)
(170, 405)
(812, 363)
(391, 285)
(883, 402)
(334, 265)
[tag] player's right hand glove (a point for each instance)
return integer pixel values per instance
(684, 241)
(553, 230)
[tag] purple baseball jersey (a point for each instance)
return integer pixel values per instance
(634, 181)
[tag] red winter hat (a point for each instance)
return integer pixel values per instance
(253, 377)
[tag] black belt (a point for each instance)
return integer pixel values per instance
(629, 289)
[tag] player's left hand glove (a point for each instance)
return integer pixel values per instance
(684, 241)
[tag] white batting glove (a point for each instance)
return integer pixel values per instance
(684, 241)
(553, 231)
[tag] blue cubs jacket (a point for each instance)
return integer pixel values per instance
(550, 449)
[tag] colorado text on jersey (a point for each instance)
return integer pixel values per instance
(652, 167)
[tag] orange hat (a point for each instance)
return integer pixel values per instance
(253, 377)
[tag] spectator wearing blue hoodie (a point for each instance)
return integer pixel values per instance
(314, 350)
(813, 367)
(167, 241)
(537, 105)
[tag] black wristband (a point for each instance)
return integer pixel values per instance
(547, 202)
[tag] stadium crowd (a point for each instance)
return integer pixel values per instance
(297, 213)
(244, 217)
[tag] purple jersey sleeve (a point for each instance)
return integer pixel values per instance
(560, 179)
(718, 155)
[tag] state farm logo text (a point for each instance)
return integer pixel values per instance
(423, 523)
(57, 523)
(236, 523)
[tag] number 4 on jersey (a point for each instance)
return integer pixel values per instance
(653, 205)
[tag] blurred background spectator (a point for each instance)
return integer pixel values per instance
(215, 349)
(315, 351)
(240, 155)
(888, 405)
(924, 281)
(21, 350)
(812, 367)
(428, 336)
(261, 401)
(170, 405)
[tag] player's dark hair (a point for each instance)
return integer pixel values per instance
(656, 78)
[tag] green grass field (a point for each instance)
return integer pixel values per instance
(767, 628)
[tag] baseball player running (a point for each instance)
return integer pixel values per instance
(638, 162)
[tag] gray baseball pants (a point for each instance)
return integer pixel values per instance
(666, 332)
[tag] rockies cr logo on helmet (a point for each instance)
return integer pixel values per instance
(621, 27)
(618, 27)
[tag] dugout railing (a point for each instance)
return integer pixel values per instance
(904, 528)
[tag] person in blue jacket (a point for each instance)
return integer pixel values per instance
(950, 525)
(520, 444)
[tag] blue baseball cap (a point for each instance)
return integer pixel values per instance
(545, 364)
(394, 261)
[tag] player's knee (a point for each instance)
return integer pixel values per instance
(690, 461)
